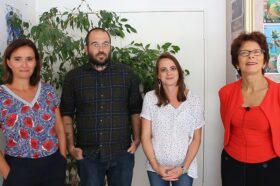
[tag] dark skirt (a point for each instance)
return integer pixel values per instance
(45, 171)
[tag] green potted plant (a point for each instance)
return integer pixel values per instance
(61, 51)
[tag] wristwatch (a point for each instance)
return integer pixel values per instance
(184, 170)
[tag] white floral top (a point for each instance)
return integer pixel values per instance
(173, 129)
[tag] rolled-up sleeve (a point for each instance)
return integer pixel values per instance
(146, 109)
(199, 113)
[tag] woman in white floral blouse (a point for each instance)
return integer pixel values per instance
(172, 120)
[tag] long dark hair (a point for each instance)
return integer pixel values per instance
(160, 93)
(16, 44)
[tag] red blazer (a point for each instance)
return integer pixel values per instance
(230, 99)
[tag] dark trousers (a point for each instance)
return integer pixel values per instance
(118, 171)
(236, 173)
(46, 171)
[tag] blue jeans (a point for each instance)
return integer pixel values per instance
(156, 180)
(118, 171)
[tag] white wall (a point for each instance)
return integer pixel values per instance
(3, 34)
(134, 5)
(215, 78)
(27, 10)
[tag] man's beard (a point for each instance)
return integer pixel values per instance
(97, 63)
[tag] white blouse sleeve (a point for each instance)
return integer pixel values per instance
(146, 108)
(198, 113)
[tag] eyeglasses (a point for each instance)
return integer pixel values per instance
(246, 53)
(99, 45)
(166, 70)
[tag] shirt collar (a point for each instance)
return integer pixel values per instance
(89, 66)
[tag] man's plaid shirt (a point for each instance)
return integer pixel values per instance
(101, 103)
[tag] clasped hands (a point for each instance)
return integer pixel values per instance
(169, 173)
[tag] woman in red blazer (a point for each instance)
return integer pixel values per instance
(250, 111)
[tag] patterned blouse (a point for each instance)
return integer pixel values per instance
(29, 127)
(173, 129)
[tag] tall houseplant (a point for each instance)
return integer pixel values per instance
(61, 48)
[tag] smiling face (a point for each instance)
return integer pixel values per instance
(168, 72)
(22, 63)
(254, 62)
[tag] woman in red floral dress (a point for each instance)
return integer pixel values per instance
(30, 120)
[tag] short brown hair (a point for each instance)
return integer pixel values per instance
(160, 93)
(16, 44)
(94, 30)
(257, 37)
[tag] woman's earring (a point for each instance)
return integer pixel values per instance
(159, 84)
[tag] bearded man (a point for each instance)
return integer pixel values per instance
(103, 99)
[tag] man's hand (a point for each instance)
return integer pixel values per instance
(133, 147)
(77, 153)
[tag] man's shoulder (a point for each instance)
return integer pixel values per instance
(77, 70)
(121, 66)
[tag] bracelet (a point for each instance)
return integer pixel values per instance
(184, 170)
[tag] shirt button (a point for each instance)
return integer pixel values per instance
(101, 120)
(100, 133)
(100, 146)
(102, 95)
(101, 107)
